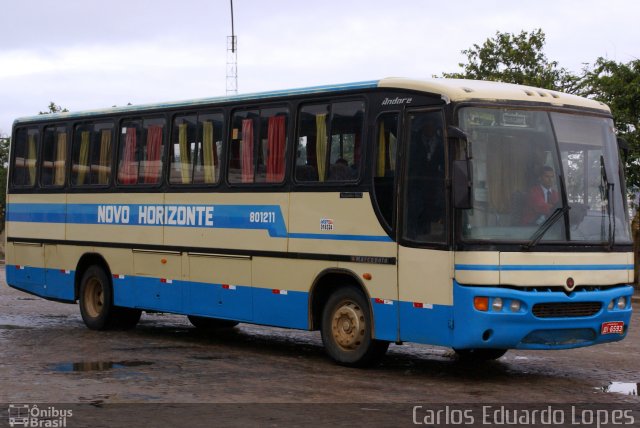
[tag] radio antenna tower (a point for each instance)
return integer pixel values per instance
(232, 59)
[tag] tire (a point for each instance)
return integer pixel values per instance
(96, 303)
(204, 323)
(479, 354)
(96, 299)
(347, 329)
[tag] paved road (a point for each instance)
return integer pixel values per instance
(48, 356)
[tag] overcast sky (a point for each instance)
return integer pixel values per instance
(85, 54)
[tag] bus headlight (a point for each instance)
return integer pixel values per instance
(611, 305)
(515, 306)
(496, 305)
(622, 302)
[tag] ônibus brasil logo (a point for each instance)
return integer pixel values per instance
(25, 415)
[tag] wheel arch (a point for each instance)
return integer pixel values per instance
(87, 260)
(326, 283)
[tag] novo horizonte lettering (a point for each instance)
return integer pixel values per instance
(171, 215)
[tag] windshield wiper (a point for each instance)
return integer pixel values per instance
(550, 221)
(607, 191)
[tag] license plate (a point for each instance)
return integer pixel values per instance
(612, 327)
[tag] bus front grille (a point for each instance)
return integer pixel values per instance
(566, 310)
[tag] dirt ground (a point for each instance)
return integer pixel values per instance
(166, 373)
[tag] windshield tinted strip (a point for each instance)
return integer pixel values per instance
(541, 267)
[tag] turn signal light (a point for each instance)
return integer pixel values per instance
(481, 303)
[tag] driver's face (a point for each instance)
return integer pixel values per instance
(547, 179)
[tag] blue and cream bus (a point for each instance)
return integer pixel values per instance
(473, 215)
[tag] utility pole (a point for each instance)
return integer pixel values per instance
(232, 59)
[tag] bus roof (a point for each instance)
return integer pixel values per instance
(459, 90)
(450, 90)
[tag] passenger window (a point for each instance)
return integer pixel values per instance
(385, 164)
(25, 159)
(258, 146)
(54, 156)
(184, 142)
(141, 146)
(207, 162)
(329, 142)
(91, 154)
(197, 145)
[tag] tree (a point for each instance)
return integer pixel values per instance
(618, 86)
(53, 108)
(516, 59)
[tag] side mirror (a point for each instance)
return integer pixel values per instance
(455, 132)
(462, 184)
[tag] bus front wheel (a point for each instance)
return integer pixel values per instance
(347, 329)
(96, 303)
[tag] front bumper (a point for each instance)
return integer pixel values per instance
(522, 329)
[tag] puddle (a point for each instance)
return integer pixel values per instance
(624, 388)
(97, 366)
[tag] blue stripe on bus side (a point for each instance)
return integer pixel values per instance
(242, 303)
(281, 308)
(468, 267)
(49, 283)
(419, 322)
(243, 217)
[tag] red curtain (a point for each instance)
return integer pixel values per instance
(247, 150)
(154, 153)
(128, 173)
(276, 145)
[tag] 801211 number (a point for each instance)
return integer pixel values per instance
(262, 217)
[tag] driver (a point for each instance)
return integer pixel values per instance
(541, 198)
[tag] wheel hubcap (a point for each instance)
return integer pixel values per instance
(348, 325)
(94, 298)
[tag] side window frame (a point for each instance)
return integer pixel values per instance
(96, 145)
(386, 169)
(261, 119)
(24, 170)
(53, 172)
(197, 159)
(138, 152)
(340, 173)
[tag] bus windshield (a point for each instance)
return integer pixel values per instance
(543, 176)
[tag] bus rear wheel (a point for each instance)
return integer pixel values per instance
(96, 303)
(347, 329)
(204, 323)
